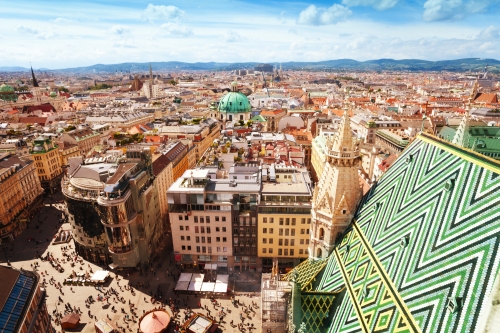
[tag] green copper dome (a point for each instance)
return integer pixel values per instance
(7, 93)
(53, 94)
(234, 101)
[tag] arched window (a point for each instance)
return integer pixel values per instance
(321, 233)
(241, 117)
(318, 253)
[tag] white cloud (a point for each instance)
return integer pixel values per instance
(377, 4)
(453, 10)
(26, 30)
(161, 13)
(176, 29)
(297, 46)
(46, 35)
(62, 20)
(232, 36)
(292, 31)
(313, 15)
(119, 30)
(490, 33)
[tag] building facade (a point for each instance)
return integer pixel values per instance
(45, 154)
(86, 139)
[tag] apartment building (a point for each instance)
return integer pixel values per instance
(20, 192)
(215, 220)
(45, 154)
(284, 216)
(86, 139)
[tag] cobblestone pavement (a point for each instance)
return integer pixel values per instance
(37, 238)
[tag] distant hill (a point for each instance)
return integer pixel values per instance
(458, 65)
(19, 69)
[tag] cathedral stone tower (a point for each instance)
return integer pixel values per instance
(337, 193)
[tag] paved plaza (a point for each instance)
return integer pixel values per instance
(159, 280)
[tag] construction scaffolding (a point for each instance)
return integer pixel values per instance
(274, 301)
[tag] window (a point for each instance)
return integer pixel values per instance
(281, 221)
(309, 221)
(187, 228)
(189, 247)
(180, 217)
(292, 232)
(293, 220)
(292, 252)
(224, 249)
(224, 239)
(281, 232)
(208, 230)
(264, 230)
(209, 240)
(286, 252)
(301, 241)
(271, 230)
(264, 240)
(270, 240)
(307, 231)
(202, 219)
(217, 239)
(198, 249)
(183, 247)
(287, 221)
(196, 219)
(209, 249)
(280, 242)
(223, 219)
(280, 252)
(286, 242)
(264, 250)
(182, 237)
(218, 249)
(216, 219)
(223, 229)
(202, 229)
(188, 238)
(181, 227)
(307, 241)
(302, 231)
(204, 249)
(264, 220)
(196, 229)
(271, 220)
(270, 250)
(217, 229)
(301, 251)
(186, 218)
(197, 239)
(203, 239)
(292, 242)
(208, 219)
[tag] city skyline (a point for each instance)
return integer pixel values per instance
(81, 34)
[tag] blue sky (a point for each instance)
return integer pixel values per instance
(60, 34)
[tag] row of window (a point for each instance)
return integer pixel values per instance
(286, 231)
(205, 249)
(204, 239)
(282, 252)
(286, 220)
(202, 219)
(202, 229)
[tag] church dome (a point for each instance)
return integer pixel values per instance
(5, 88)
(234, 101)
(53, 94)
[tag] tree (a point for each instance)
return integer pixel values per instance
(172, 82)
(63, 89)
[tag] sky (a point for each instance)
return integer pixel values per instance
(64, 34)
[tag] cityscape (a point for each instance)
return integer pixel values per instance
(279, 170)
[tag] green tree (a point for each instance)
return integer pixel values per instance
(172, 82)
(63, 89)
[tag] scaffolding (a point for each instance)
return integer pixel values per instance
(274, 301)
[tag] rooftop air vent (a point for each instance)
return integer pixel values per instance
(454, 304)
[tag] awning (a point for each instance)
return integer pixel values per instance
(197, 277)
(195, 286)
(208, 286)
(113, 266)
(222, 278)
(185, 277)
(99, 276)
(220, 287)
(182, 285)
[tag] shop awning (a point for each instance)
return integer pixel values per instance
(197, 277)
(220, 287)
(99, 276)
(195, 286)
(182, 285)
(222, 278)
(113, 266)
(208, 286)
(185, 277)
(212, 267)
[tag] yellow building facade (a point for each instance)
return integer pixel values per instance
(45, 154)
